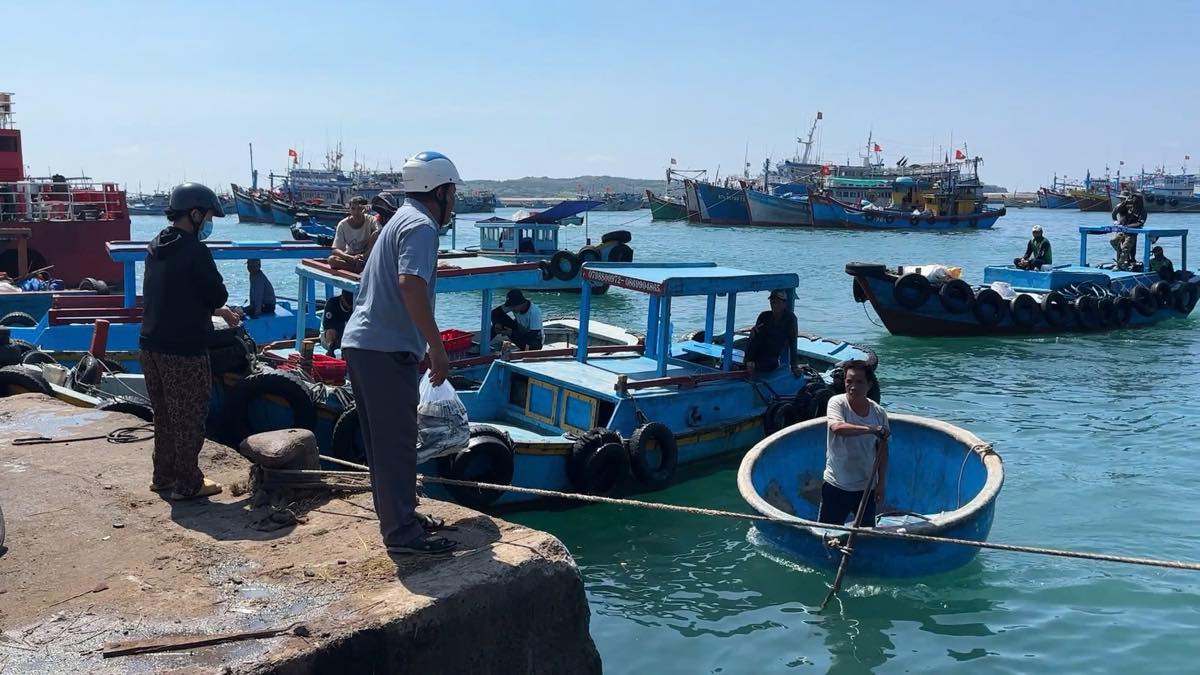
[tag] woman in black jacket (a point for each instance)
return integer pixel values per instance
(182, 290)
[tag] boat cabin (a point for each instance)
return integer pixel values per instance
(534, 234)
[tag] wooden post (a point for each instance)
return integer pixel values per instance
(301, 310)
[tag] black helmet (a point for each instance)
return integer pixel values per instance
(188, 196)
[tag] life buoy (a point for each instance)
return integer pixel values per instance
(1144, 301)
(911, 290)
(1057, 310)
(565, 265)
(989, 307)
(21, 380)
(129, 406)
(1122, 310)
(653, 466)
(348, 442)
(1106, 307)
(1087, 312)
(1162, 293)
(280, 384)
(956, 296)
(598, 462)
(488, 458)
(1025, 310)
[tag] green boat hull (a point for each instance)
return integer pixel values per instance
(661, 209)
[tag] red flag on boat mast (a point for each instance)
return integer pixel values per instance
(294, 155)
(825, 170)
(877, 148)
(958, 154)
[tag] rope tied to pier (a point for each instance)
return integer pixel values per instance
(795, 522)
(136, 434)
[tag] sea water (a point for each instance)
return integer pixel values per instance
(1098, 435)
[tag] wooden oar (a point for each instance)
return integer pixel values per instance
(848, 549)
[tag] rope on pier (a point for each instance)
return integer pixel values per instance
(791, 522)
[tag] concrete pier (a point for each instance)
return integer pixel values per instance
(94, 558)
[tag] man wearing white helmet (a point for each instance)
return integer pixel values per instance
(390, 330)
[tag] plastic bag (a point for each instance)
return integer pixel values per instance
(1005, 289)
(442, 424)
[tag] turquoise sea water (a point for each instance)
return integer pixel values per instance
(1097, 433)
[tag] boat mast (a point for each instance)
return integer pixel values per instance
(809, 143)
(253, 172)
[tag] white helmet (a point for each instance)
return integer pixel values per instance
(427, 170)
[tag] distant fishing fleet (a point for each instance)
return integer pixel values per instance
(1163, 192)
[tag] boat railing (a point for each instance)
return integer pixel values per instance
(34, 200)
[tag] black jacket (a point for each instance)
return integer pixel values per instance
(181, 289)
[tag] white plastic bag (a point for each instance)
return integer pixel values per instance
(442, 425)
(1005, 289)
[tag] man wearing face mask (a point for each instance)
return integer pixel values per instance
(182, 291)
(389, 332)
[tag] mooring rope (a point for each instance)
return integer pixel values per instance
(796, 522)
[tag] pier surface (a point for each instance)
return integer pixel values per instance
(94, 558)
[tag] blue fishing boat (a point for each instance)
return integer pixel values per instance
(717, 205)
(769, 209)
(942, 481)
(1068, 298)
(1163, 193)
(308, 229)
(1053, 199)
(248, 206)
(828, 212)
(582, 420)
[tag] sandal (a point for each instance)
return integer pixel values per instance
(434, 524)
(208, 489)
(426, 545)
(155, 487)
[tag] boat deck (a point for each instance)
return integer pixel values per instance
(599, 375)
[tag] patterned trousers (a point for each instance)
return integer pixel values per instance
(179, 388)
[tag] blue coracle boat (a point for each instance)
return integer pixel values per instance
(942, 481)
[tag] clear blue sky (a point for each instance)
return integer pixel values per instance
(152, 92)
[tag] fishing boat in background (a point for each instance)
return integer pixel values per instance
(792, 210)
(55, 221)
(942, 481)
(475, 201)
(665, 208)
(1091, 201)
(672, 204)
(1057, 196)
(927, 301)
(716, 204)
(1163, 192)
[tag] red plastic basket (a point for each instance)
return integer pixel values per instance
(455, 340)
(324, 368)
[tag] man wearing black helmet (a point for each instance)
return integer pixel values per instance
(182, 291)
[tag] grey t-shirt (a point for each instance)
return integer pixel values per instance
(351, 239)
(849, 459)
(381, 322)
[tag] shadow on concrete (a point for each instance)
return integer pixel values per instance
(225, 521)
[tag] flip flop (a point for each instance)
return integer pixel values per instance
(209, 489)
(434, 524)
(426, 545)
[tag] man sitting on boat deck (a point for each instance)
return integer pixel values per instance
(856, 434)
(524, 327)
(1037, 252)
(775, 331)
(262, 293)
(333, 321)
(352, 239)
(1161, 264)
(1131, 212)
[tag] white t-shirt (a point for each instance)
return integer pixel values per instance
(351, 239)
(849, 459)
(530, 321)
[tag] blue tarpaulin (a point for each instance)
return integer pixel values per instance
(561, 210)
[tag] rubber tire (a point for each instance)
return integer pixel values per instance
(129, 406)
(780, 415)
(1179, 297)
(619, 236)
(1025, 311)
(287, 386)
(604, 469)
(620, 253)
(1193, 291)
(22, 346)
(1123, 310)
(1162, 293)
(589, 254)
(1107, 308)
(228, 359)
(581, 452)
(989, 298)
(912, 290)
(860, 296)
(547, 271)
(499, 467)
(820, 402)
(18, 320)
(570, 271)
(20, 377)
(1144, 301)
(10, 355)
(957, 297)
(1056, 310)
(658, 477)
(37, 357)
(347, 441)
(1087, 312)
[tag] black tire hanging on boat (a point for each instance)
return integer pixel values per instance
(1057, 310)
(915, 220)
(547, 271)
(1123, 310)
(1193, 295)
(860, 296)
(989, 307)
(820, 401)
(619, 236)
(911, 290)
(1143, 300)
(889, 219)
(279, 383)
(620, 253)
(488, 458)
(1107, 309)
(565, 265)
(37, 357)
(18, 320)
(585, 446)
(21, 380)
(956, 296)
(1162, 293)
(10, 355)
(347, 442)
(1179, 297)
(1087, 312)
(780, 415)
(653, 475)
(22, 346)
(129, 406)
(1025, 310)
(589, 254)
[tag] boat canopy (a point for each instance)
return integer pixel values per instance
(564, 209)
(860, 182)
(1152, 234)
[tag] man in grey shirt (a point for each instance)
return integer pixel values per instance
(389, 331)
(856, 450)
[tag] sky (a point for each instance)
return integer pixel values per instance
(152, 93)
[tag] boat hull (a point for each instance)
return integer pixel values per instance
(1055, 200)
(76, 248)
(662, 209)
(1164, 204)
(828, 212)
(1090, 202)
(248, 210)
(765, 209)
(938, 470)
(721, 205)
